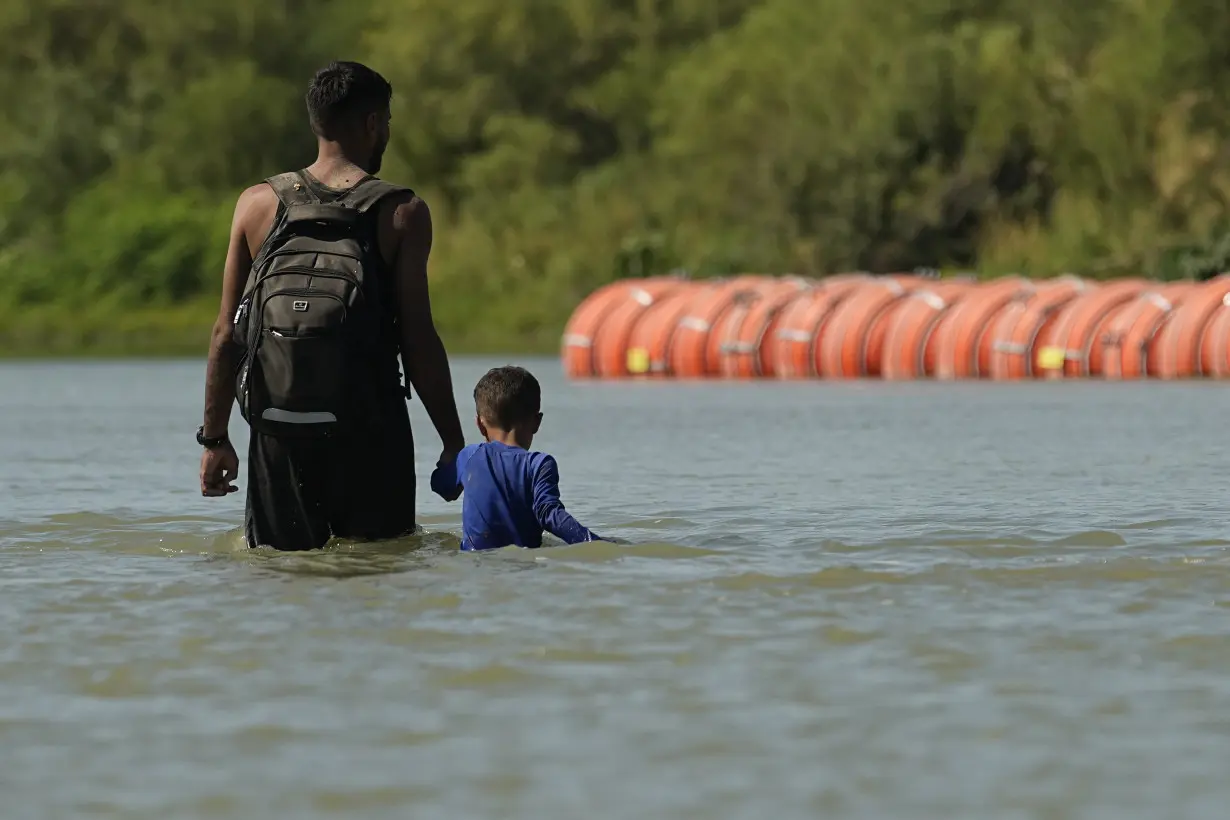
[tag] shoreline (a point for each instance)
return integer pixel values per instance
(174, 332)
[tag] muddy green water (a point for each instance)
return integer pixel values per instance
(923, 601)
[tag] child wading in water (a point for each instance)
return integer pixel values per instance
(511, 492)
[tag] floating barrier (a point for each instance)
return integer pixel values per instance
(900, 327)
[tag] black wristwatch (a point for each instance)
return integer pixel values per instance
(208, 443)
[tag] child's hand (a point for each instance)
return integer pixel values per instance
(444, 482)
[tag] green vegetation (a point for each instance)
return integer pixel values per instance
(566, 143)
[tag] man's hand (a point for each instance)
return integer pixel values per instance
(219, 467)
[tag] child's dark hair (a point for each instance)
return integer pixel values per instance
(507, 396)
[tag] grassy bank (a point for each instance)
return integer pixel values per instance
(183, 330)
(52, 332)
(562, 145)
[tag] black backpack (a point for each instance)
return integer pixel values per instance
(313, 309)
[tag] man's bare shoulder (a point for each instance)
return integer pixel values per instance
(410, 213)
(255, 210)
(256, 200)
(405, 228)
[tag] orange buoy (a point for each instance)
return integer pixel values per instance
(1178, 293)
(910, 329)
(1016, 330)
(610, 339)
(1067, 348)
(1131, 328)
(689, 353)
(962, 337)
(745, 333)
(873, 353)
(852, 341)
(747, 290)
(1177, 346)
(1215, 343)
(649, 338)
(578, 340)
(801, 323)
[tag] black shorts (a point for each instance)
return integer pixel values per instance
(301, 492)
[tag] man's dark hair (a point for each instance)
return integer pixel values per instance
(342, 94)
(507, 396)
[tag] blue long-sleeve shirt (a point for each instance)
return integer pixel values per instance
(511, 496)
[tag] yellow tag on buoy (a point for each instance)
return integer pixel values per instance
(1051, 358)
(638, 360)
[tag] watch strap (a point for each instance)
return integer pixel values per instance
(206, 441)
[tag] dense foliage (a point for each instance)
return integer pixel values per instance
(564, 143)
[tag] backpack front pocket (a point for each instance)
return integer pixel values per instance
(297, 379)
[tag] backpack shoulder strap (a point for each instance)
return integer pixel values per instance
(364, 196)
(292, 189)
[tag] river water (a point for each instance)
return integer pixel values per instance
(923, 601)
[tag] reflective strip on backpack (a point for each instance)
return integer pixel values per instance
(292, 417)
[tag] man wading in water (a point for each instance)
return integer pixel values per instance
(325, 283)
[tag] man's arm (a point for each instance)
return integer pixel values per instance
(223, 352)
(220, 465)
(422, 352)
(549, 509)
